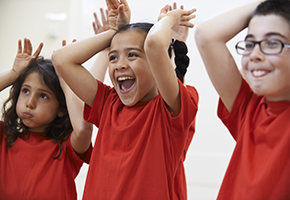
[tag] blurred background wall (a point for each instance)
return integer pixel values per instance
(51, 21)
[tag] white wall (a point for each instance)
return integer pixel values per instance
(212, 145)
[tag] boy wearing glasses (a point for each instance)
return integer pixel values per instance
(255, 110)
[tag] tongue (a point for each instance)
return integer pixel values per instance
(127, 84)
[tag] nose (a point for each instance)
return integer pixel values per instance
(31, 103)
(121, 64)
(257, 54)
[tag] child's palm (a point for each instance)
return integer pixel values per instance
(24, 56)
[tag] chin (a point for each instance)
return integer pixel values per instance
(128, 102)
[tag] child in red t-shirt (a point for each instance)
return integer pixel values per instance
(144, 120)
(41, 148)
(255, 110)
(178, 54)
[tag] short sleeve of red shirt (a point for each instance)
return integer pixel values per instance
(237, 111)
(259, 167)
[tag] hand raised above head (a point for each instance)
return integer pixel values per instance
(119, 13)
(24, 56)
(179, 32)
(97, 26)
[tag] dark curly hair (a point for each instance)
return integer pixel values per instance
(12, 127)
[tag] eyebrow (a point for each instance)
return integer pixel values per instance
(43, 90)
(268, 35)
(128, 49)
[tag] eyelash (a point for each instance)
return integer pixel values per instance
(43, 96)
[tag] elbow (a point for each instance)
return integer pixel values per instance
(57, 61)
(202, 36)
(153, 44)
(85, 128)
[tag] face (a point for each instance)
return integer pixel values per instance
(129, 70)
(268, 74)
(37, 105)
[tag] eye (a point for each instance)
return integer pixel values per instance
(132, 55)
(249, 45)
(43, 96)
(272, 44)
(25, 90)
(112, 58)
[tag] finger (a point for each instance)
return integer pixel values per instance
(112, 4)
(19, 46)
(182, 7)
(187, 24)
(122, 15)
(95, 28)
(187, 17)
(38, 50)
(126, 8)
(28, 47)
(165, 9)
(125, 4)
(104, 19)
(74, 40)
(63, 43)
(174, 6)
(97, 22)
(170, 8)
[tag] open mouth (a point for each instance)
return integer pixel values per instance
(126, 83)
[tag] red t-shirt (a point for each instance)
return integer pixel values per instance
(180, 185)
(28, 170)
(138, 149)
(260, 165)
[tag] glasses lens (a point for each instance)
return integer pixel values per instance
(271, 46)
(244, 47)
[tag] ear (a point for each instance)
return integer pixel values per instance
(62, 113)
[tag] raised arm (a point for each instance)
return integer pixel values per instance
(211, 38)
(156, 48)
(22, 60)
(82, 130)
(99, 67)
(69, 59)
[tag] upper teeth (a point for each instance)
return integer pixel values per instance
(258, 72)
(124, 78)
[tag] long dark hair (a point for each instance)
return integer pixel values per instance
(58, 130)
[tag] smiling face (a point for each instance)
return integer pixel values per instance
(268, 74)
(37, 105)
(129, 70)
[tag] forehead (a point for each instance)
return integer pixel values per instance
(262, 26)
(35, 80)
(128, 38)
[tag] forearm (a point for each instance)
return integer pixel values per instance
(99, 68)
(156, 49)
(79, 52)
(7, 79)
(225, 26)
(82, 130)
(68, 64)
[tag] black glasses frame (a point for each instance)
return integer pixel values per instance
(259, 43)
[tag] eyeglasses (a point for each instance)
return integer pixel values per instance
(267, 46)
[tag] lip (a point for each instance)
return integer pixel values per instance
(257, 73)
(118, 83)
(27, 115)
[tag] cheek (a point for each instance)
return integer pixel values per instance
(18, 108)
(244, 62)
